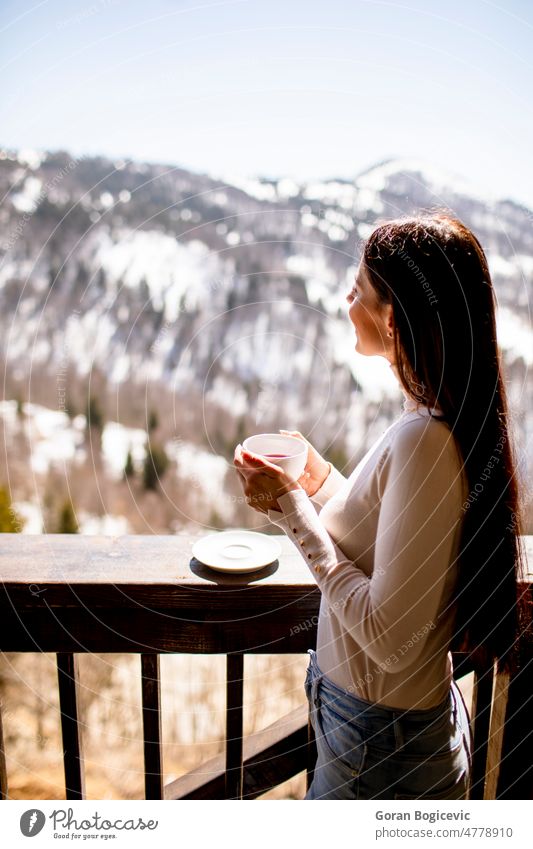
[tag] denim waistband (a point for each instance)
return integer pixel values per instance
(381, 713)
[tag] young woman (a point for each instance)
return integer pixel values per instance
(418, 551)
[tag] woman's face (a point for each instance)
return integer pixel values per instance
(371, 320)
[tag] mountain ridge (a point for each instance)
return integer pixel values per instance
(152, 273)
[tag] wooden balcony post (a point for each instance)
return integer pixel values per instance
(151, 708)
(234, 713)
(481, 707)
(3, 769)
(497, 728)
(67, 676)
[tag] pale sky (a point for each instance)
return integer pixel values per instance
(276, 87)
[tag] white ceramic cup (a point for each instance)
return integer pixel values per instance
(293, 451)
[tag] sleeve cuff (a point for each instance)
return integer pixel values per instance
(299, 520)
(326, 561)
(290, 503)
(331, 485)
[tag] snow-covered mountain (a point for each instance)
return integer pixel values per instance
(229, 289)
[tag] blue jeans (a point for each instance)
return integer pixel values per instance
(368, 751)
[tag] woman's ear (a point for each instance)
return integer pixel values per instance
(389, 320)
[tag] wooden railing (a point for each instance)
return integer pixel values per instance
(71, 594)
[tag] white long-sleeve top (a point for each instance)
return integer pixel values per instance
(383, 551)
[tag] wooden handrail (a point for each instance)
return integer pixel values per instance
(144, 594)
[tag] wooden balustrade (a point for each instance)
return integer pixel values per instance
(71, 594)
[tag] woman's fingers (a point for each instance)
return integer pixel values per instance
(256, 461)
(247, 473)
(261, 481)
(237, 455)
(295, 433)
(238, 462)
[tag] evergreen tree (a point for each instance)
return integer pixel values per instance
(155, 465)
(153, 421)
(144, 292)
(216, 520)
(70, 410)
(129, 468)
(100, 280)
(241, 432)
(10, 521)
(94, 415)
(53, 276)
(67, 520)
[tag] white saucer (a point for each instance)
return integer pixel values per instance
(236, 551)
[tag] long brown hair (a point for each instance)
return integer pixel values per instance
(433, 271)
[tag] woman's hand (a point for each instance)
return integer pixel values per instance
(316, 469)
(262, 481)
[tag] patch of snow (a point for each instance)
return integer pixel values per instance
(252, 186)
(331, 191)
(309, 220)
(8, 412)
(52, 438)
(299, 264)
(287, 188)
(120, 368)
(321, 282)
(336, 233)
(364, 230)
(367, 200)
(32, 515)
(30, 157)
(372, 373)
(500, 266)
(339, 218)
(169, 268)
(525, 264)
(106, 200)
(123, 312)
(27, 200)
(117, 440)
(107, 525)
(204, 471)
(514, 335)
